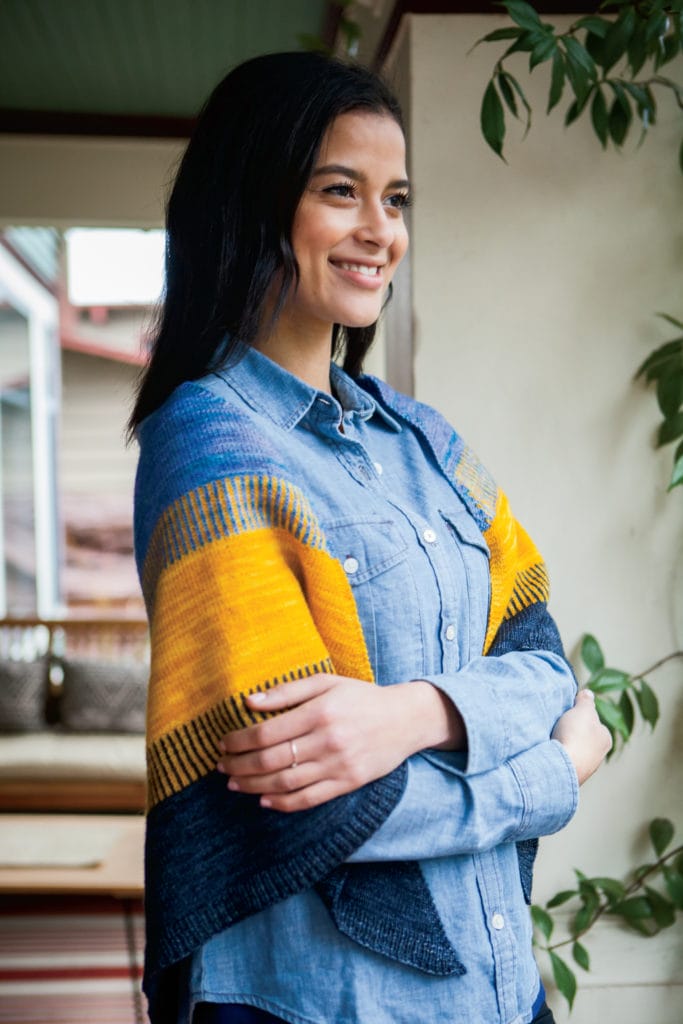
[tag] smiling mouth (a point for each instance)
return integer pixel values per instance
(360, 268)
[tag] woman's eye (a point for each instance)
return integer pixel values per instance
(344, 189)
(399, 200)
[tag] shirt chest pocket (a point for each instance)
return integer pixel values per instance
(475, 576)
(374, 557)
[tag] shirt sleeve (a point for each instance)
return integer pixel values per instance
(445, 813)
(509, 703)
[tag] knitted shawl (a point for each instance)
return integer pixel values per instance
(242, 594)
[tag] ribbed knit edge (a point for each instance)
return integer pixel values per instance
(280, 881)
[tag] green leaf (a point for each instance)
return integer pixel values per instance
(561, 897)
(525, 103)
(663, 910)
(636, 50)
(591, 653)
(638, 93)
(670, 392)
(627, 711)
(635, 908)
(597, 26)
(595, 45)
(661, 833)
(657, 361)
(610, 715)
(544, 49)
(580, 954)
(599, 117)
(655, 27)
(493, 119)
(619, 122)
(613, 889)
(522, 13)
(565, 979)
(648, 703)
(674, 886)
(580, 77)
(557, 81)
(670, 48)
(618, 38)
(671, 429)
(579, 56)
(671, 319)
(542, 920)
(507, 92)
(500, 33)
(608, 679)
(677, 473)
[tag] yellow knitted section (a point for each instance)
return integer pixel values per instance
(252, 608)
(518, 573)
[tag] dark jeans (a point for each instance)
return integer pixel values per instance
(224, 1013)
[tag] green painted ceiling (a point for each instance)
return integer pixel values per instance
(137, 57)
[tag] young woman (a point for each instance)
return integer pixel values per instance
(355, 679)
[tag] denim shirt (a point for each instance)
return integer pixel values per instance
(418, 566)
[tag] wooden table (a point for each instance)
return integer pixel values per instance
(120, 872)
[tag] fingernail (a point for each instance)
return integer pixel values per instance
(265, 802)
(257, 698)
(220, 768)
(234, 785)
(221, 746)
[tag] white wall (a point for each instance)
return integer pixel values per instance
(535, 287)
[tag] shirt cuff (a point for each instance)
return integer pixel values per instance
(550, 789)
(508, 704)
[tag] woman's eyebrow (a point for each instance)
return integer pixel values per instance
(349, 172)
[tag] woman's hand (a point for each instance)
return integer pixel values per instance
(582, 734)
(336, 735)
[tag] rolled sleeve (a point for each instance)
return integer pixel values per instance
(508, 704)
(443, 813)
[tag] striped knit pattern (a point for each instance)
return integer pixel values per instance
(475, 481)
(184, 754)
(224, 508)
(246, 547)
(530, 585)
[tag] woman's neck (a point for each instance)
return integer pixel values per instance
(305, 354)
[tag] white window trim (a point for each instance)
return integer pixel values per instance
(41, 310)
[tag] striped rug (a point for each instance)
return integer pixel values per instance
(70, 960)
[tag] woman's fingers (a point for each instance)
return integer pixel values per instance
(268, 760)
(290, 778)
(293, 697)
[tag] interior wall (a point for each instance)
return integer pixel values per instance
(535, 287)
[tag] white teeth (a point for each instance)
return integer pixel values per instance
(361, 268)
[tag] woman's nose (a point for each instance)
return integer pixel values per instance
(376, 227)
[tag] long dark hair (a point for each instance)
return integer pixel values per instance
(230, 213)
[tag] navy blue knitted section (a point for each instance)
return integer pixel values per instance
(376, 916)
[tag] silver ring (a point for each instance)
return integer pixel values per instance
(292, 745)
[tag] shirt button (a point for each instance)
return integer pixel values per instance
(429, 535)
(379, 469)
(350, 565)
(498, 921)
(450, 632)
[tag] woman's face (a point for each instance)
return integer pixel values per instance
(348, 233)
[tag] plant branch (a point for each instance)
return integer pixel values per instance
(605, 906)
(658, 664)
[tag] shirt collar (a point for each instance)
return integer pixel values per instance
(285, 399)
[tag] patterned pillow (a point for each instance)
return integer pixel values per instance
(103, 696)
(23, 695)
